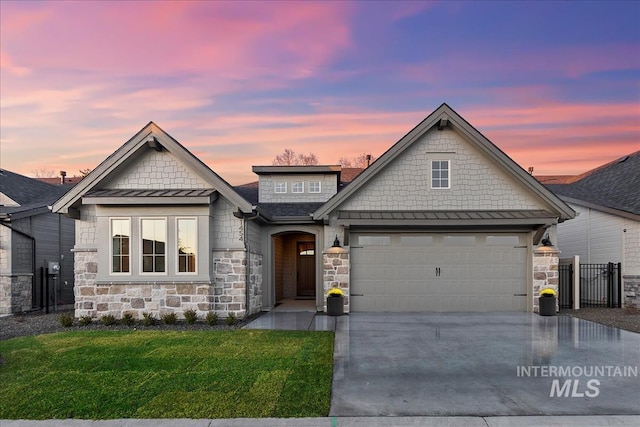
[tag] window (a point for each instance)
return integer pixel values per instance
(374, 240)
(154, 238)
(120, 233)
(440, 174)
(297, 187)
(187, 233)
(314, 187)
(281, 187)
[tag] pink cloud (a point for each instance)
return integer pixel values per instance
(221, 39)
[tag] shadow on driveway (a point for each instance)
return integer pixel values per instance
(412, 364)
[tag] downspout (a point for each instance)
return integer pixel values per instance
(33, 258)
(247, 270)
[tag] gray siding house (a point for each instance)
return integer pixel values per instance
(443, 221)
(607, 225)
(30, 237)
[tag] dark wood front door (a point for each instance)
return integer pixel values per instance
(306, 269)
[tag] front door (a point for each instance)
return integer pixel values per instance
(306, 269)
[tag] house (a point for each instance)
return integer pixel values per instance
(607, 227)
(443, 221)
(31, 236)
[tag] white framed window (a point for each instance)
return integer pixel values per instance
(297, 187)
(187, 244)
(153, 244)
(440, 174)
(120, 231)
(314, 187)
(281, 187)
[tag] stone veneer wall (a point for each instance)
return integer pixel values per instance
(255, 283)
(137, 298)
(15, 293)
(225, 295)
(631, 291)
(335, 268)
(545, 273)
(230, 275)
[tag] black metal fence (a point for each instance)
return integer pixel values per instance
(565, 288)
(600, 285)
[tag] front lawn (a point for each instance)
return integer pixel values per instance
(160, 374)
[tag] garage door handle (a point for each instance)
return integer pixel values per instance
(519, 295)
(357, 295)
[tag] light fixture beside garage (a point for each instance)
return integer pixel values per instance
(336, 248)
(546, 244)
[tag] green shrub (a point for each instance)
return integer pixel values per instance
(85, 320)
(230, 320)
(66, 320)
(127, 319)
(148, 319)
(108, 319)
(169, 318)
(212, 318)
(190, 316)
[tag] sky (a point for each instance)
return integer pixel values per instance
(555, 85)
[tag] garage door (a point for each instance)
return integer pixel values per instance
(438, 272)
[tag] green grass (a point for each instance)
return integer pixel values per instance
(160, 374)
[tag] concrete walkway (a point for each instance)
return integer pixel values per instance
(534, 421)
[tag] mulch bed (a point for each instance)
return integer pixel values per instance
(37, 323)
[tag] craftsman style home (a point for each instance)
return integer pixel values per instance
(442, 221)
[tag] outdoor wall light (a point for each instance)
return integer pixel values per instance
(546, 241)
(336, 248)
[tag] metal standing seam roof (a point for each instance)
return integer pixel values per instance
(444, 215)
(152, 193)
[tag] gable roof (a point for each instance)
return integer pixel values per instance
(150, 136)
(445, 116)
(612, 186)
(31, 195)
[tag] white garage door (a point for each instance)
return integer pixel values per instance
(438, 272)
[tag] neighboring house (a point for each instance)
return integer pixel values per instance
(607, 226)
(31, 236)
(443, 221)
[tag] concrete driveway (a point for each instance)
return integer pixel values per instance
(482, 364)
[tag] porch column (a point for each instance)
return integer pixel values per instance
(336, 274)
(545, 273)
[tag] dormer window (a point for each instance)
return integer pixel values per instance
(297, 187)
(281, 187)
(314, 187)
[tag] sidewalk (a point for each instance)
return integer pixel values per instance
(528, 421)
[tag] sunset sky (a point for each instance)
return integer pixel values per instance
(555, 85)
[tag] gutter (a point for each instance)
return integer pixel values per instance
(247, 269)
(33, 258)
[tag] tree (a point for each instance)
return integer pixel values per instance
(360, 161)
(290, 158)
(43, 173)
(84, 172)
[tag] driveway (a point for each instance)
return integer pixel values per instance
(482, 364)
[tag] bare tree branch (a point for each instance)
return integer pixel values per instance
(43, 173)
(289, 158)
